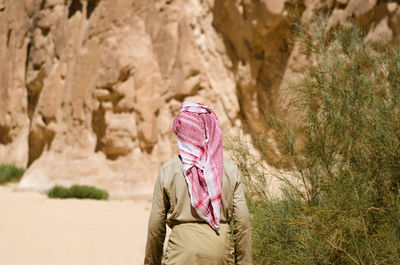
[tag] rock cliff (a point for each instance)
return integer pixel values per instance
(89, 88)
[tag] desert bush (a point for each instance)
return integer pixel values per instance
(10, 173)
(340, 192)
(78, 191)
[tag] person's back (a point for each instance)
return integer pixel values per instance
(198, 239)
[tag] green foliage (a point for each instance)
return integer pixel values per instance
(340, 202)
(78, 191)
(10, 173)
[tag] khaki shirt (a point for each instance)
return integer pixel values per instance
(171, 205)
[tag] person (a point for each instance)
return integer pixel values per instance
(197, 194)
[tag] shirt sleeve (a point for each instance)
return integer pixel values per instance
(242, 231)
(157, 220)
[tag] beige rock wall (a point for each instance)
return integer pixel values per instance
(89, 88)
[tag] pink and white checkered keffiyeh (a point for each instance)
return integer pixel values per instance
(200, 146)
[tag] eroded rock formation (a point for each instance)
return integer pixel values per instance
(89, 88)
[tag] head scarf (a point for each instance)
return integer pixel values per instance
(200, 146)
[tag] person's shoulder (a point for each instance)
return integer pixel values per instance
(229, 165)
(171, 163)
(169, 169)
(228, 161)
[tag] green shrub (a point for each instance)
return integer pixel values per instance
(340, 201)
(78, 191)
(10, 173)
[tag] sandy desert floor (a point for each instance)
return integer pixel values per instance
(36, 230)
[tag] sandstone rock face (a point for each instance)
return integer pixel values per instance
(89, 88)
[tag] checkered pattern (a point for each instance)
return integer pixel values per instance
(200, 146)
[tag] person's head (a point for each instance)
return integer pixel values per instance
(197, 122)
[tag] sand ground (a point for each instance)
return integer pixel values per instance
(36, 230)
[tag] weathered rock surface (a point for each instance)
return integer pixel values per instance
(89, 88)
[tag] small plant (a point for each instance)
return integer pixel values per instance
(10, 173)
(78, 191)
